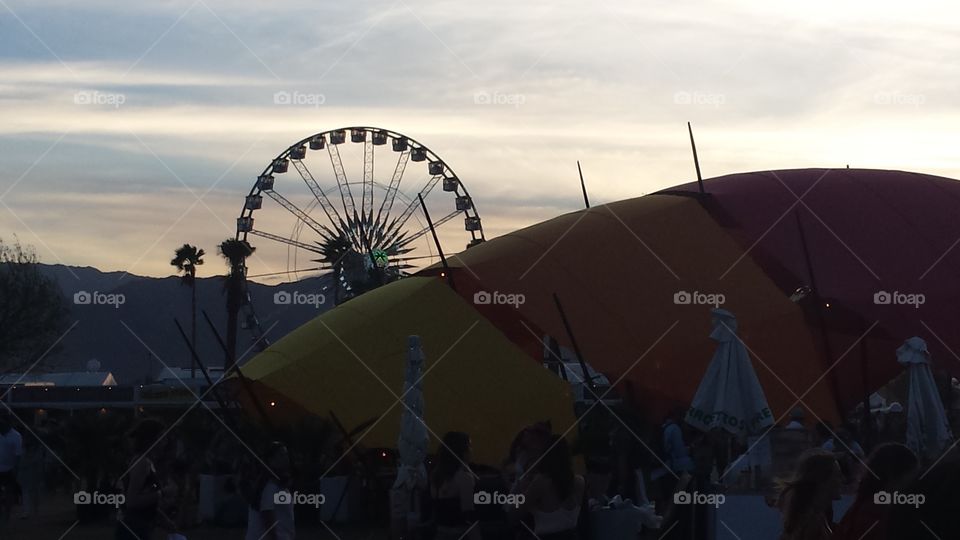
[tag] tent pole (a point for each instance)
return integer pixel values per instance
(244, 382)
(206, 375)
(696, 160)
(821, 320)
(583, 187)
(576, 348)
(436, 241)
(359, 457)
(867, 432)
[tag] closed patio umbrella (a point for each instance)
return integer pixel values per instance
(928, 432)
(729, 396)
(413, 439)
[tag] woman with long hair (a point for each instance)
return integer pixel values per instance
(555, 493)
(889, 469)
(451, 488)
(143, 492)
(806, 499)
(526, 447)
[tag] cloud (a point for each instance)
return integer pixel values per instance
(161, 102)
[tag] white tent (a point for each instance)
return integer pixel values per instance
(928, 432)
(412, 443)
(729, 396)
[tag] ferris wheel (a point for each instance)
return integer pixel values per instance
(339, 214)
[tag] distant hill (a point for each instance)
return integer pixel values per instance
(129, 319)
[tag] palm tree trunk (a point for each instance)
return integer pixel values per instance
(193, 326)
(233, 309)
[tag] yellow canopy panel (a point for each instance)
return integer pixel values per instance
(351, 359)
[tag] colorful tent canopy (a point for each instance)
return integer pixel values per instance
(637, 280)
(874, 238)
(351, 361)
(855, 237)
(622, 272)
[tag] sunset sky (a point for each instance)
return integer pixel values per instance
(127, 129)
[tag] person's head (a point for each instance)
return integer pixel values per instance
(30, 440)
(454, 454)
(144, 435)
(557, 465)
(531, 441)
(814, 485)
(847, 434)
(888, 468)
(938, 501)
(180, 466)
(824, 431)
(277, 458)
(6, 422)
(676, 414)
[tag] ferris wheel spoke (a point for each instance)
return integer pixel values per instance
(288, 241)
(404, 240)
(349, 207)
(367, 204)
(401, 220)
(328, 207)
(303, 216)
(391, 194)
(414, 258)
(294, 271)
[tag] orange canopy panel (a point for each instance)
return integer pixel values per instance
(622, 272)
(350, 361)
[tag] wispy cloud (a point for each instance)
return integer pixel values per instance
(509, 95)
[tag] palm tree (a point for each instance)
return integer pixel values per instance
(187, 258)
(235, 253)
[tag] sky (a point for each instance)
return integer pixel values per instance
(128, 129)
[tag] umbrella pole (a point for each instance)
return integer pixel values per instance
(821, 320)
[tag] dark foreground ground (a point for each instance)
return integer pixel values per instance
(57, 521)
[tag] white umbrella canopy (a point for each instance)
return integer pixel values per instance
(928, 432)
(413, 440)
(729, 396)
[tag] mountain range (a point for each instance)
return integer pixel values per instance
(126, 322)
